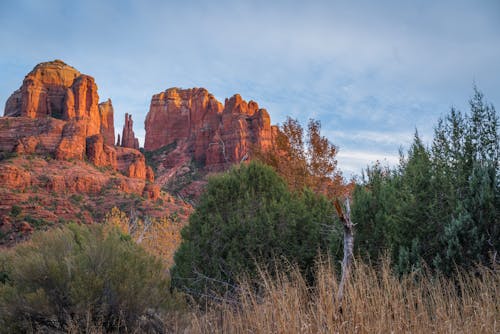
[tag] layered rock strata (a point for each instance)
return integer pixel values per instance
(56, 113)
(215, 135)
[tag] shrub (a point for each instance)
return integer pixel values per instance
(79, 275)
(248, 216)
(15, 211)
(76, 198)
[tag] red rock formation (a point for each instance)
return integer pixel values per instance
(27, 135)
(43, 92)
(56, 113)
(175, 115)
(106, 114)
(131, 163)
(57, 90)
(13, 177)
(151, 191)
(99, 153)
(86, 103)
(128, 136)
(72, 144)
(215, 136)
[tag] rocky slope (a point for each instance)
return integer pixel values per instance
(57, 143)
(38, 192)
(189, 132)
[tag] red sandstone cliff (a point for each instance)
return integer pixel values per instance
(215, 135)
(56, 113)
(189, 134)
(57, 90)
(106, 113)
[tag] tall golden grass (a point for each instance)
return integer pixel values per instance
(375, 301)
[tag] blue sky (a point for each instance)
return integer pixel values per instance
(371, 71)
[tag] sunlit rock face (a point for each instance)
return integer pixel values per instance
(128, 138)
(57, 90)
(106, 113)
(56, 112)
(213, 134)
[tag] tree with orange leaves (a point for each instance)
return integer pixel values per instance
(305, 159)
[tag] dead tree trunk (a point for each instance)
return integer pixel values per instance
(345, 218)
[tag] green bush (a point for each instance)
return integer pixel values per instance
(248, 217)
(77, 275)
(15, 211)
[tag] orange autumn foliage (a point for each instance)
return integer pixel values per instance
(306, 159)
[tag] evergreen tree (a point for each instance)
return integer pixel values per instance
(248, 217)
(440, 205)
(375, 204)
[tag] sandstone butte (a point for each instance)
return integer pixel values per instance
(56, 111)
(198, 128)
(52, 132)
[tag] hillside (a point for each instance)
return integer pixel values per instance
(59, 162)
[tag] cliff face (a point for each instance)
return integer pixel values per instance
(57, 90)
(215, 135)
(56, 113)
(53, 136)
(106, 113)
(190, 134)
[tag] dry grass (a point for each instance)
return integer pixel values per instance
(375, 301)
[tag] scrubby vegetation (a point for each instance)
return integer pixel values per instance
(158, 236)
(375, 301)
(80, 276)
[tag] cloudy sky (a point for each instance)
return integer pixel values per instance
(371, 71)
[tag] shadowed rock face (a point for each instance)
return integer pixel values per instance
(214, 135)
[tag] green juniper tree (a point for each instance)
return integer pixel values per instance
(248, 217)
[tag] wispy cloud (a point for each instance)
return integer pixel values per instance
(351, 162)
(375, 137)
